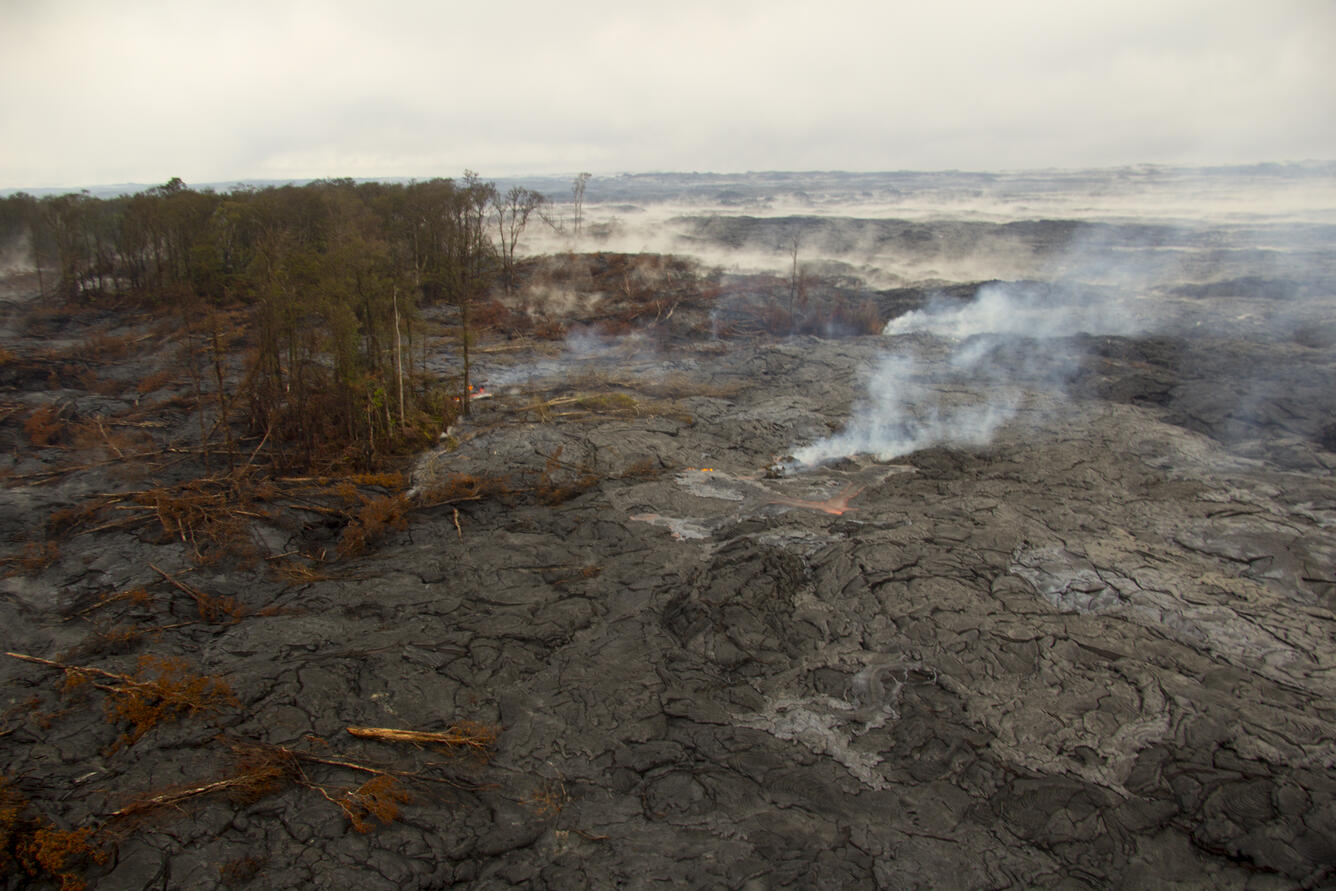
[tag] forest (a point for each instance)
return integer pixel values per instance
(321, 286)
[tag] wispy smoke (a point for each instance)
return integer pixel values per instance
(909, 408)
(16, 257)
(999, 346)
(1013, 340)
(1027, 309)
(1189, 253)
(585, 353)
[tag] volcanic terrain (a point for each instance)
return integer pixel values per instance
(1088, 643)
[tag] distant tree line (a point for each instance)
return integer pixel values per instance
(331, 274)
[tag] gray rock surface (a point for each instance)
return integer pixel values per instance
(1094, 652)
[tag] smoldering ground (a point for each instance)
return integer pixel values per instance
(1010, 339)
(1161, 253)
(1093, 650)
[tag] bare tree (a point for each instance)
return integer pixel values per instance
(472, 250)
(794, 241)
(577, 198)
(511, 212)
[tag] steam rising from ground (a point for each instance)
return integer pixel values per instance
(904, 412)
(1020, 309)
(1135, 250)
(583, 353)
(661, 213)
(16, 257)
(983, 357)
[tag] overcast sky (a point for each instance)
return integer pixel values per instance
(109, 92)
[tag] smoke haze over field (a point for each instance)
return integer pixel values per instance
(1120, 226)
(955, 370)
(108, 93)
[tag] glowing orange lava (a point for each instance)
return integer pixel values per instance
(833, 506)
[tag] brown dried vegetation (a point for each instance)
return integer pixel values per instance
(212, 608)
(214, 516)
(549, 799)
(374, 519)
(162, 689)
(155, 381)
(460, 487)
(262, 769)
(378, 797)
(44, 426)
(36, 556)
(165, 689)
(31, 844)
(467, 736)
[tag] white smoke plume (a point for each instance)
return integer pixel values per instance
(1002, 344)
(1184, 252)
(1022, 309)
(908, 408)
(16, 257)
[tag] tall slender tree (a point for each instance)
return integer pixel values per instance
(577, 200)
(511, 213)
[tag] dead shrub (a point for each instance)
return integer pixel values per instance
(549, 799)
(101, 346)
(377, 517)
(293, 572)
(257, 772)
(240, 871)
(560, 482)
(213, 608)
(203, 516)
(261, 769)
(459, 487)
(36, 556)
(155, 381)
(13, 806)
(492, 314)
(102, 386)
(549, 329)
(378, 797)
(162, 689)
(44, 426)
(217, 609)
(30, 843)
(109, 641)
(395, 482)
(59, 852)
(67, 519)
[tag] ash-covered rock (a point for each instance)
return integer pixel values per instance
(1094, 650)
(1097, 647)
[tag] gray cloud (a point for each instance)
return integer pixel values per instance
(98, 92)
